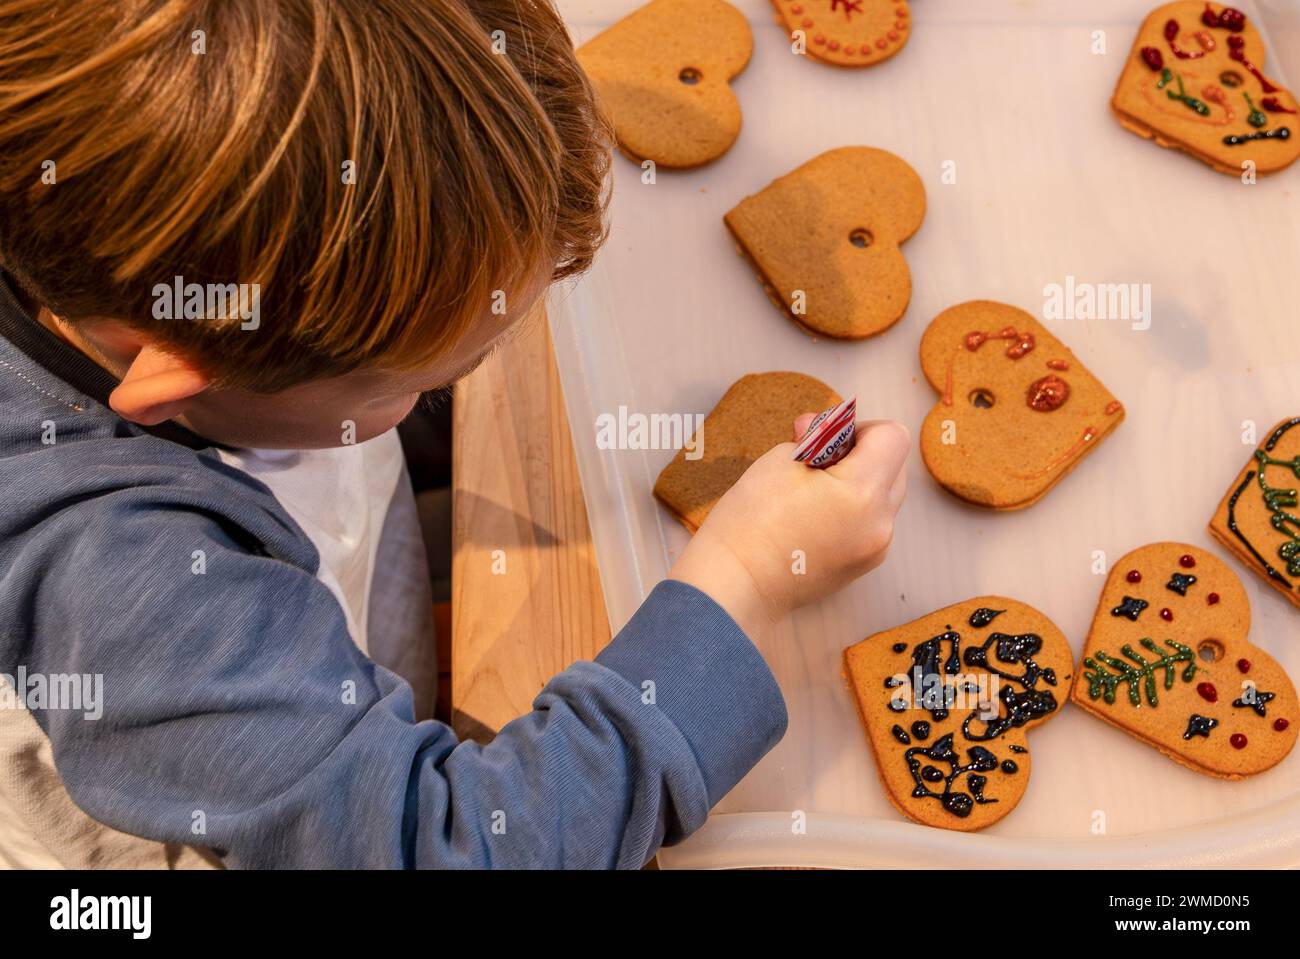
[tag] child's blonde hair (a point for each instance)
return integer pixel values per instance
(212, 139)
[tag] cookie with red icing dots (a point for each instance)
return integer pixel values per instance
(948, 701)
(1195, 81)
(847, 33)
(663, 75)
(825, 240)
(1258, 519)
(1168, 661)
(1017, 411)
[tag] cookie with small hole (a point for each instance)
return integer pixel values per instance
(1195, 81)
(1017, 411)
(663, 75)
(1169, 661)
(825, 240)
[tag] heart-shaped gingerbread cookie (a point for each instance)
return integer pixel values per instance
(1194, 81)
(1259, 517)
(1168, 661)
(948, 700)
(847, 33)
(755, 414)
(825, 240)
(1017, 411)
(663, 75)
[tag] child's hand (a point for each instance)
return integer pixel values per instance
(787, 534)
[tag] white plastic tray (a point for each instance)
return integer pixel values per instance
(1048, 186)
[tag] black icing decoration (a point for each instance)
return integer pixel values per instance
(1257, 702)
(956, 801)
(1132, 608)
(1198, 725)
(983, 616)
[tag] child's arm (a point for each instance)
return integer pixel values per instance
(239, 715)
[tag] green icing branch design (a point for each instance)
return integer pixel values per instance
(1278, 501)
(1138, 677)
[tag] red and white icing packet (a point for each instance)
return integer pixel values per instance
(830, 435)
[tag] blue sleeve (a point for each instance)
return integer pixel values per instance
(239, 715)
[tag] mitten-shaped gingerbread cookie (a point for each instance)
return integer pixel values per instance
(847, 33)
(1259, 517)
(663, 75)
(1017, 411)
(1194, 81)
(825, 240)
(948, 701)
(1168, 661)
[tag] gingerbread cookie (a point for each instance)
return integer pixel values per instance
(1259, 520)
(1017, 411)
(662, 73)
(1194, 82)
(847, 33)
(948, 701)
(755, 414)
(825, 240)
(1167, 661)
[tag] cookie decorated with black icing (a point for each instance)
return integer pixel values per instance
(847, 33)
(1017, 410)
(1258, 519)
(1195, 81)
(948, 701)
(1168, 660)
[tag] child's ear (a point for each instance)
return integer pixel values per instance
(158, 386)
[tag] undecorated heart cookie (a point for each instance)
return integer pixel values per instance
(755, 414)
(1168, 661)
(663, 75)
(1017, 411)
(1259, 518)
(847, 33)
(1194, 82)
(825, 240)
(948, 701)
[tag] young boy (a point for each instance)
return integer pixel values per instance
(207, 536)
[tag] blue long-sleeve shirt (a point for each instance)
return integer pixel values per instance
(239, 721)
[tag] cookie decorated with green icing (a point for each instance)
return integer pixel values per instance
(1195, 81)
(948, 701)
(663, 74)
(1168, 660)
(1017, 411)
(847, 33)
(1259, 517)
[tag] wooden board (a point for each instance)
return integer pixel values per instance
(526, 595)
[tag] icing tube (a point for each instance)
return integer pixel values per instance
(830, 435)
